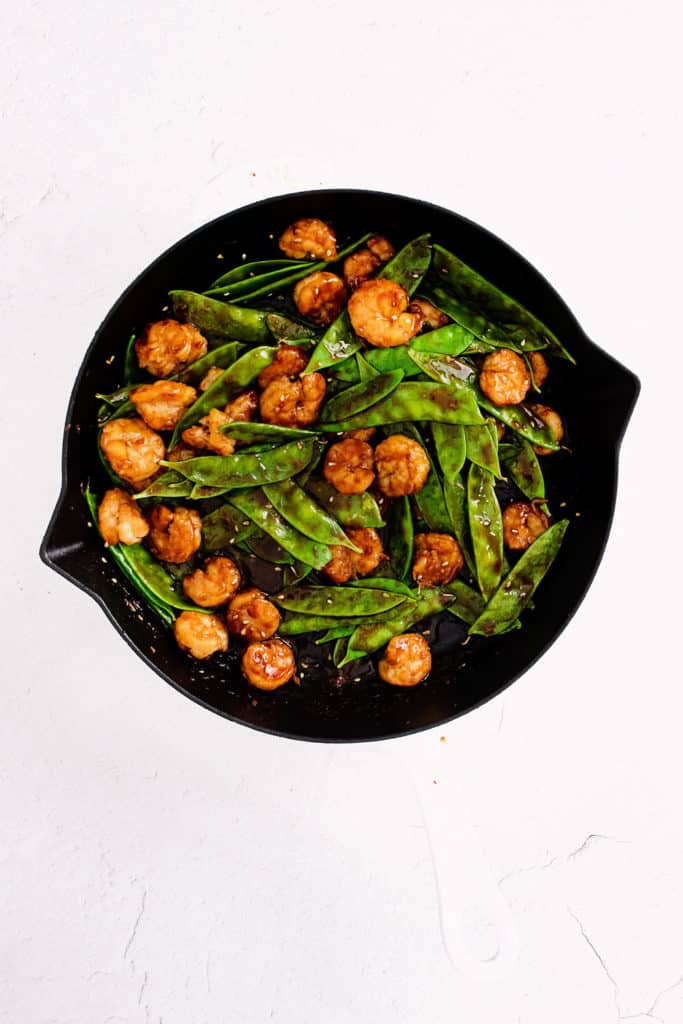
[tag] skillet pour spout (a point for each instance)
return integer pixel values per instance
(596, 397)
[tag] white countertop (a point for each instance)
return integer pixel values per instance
(162, 866)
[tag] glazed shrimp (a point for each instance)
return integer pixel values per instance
(162, 403)
(119, 518)
(431, 316)
(167, 346)
(504, 377)
(407, 660)
(378, 313)
(293, 403)
(309, 238)
(268, 664)
(539, 368)
(174, 534)
(132, 449)
(320, 297)
(363, 263)
(207, 435)
(551, 419)
(252, 615)
(200, 635)
(213, 584)
(349, 466)
(437, 560)
(402, 466)
(522, 524)
(346, 564)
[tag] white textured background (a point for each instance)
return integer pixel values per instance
(161, 865)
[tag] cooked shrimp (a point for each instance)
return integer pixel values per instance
(308, 238)
(504, 377)
(210, 377)
(345, 564)
(243, 408)
(402, 466)
(349, 466)
(293, 403)
(551, 419)
(162, 403)
(175, 533)
(200, 635)
(167, 346)
(407, 660)
(358, 267)
(362, 434)
(180, 453)
(207, 433)
(378, 313)
(320, 297)
(381, 248)
(539, 368)
(252, 615)
(522, 524)
(437, 559)
(132, 450)
(213, 584)
(289, 362)
(119, 518)
(431, 316)
(268, 664)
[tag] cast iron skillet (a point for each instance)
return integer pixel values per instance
(596, 398)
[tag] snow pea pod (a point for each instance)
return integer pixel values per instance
(486, 528)
(302, 512)
(347, 370)
(338, 602)
(446, 369)
(387, 359)
(221, 358)
(451, 340)
(409, 265)
(167, 485)
(522, 420)
(482, 446)
(518, 587)
(366, 371)
(255, 268)
(348, 509)
(264, 274)
(360, 396)
(256, 506)
(400, 537)
(131, 367)
(416, 400)
(233, 380)
(337, 343)
(524, 469)
(297, 623)
(370, 637)
(243, 469)
(474, 321)
(466, 603)
(521, 325)
(264, 432)
(384, 583)
(222, 318)
(263, 546)
(449, 441)
(284, 328)
(223, 527)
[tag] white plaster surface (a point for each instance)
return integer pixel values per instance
(159, 865)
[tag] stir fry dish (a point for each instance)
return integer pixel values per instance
(369, 423)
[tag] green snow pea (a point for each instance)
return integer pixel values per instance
(233, 380)
(522, 326)
(131, 367)
(337, 343)
(516, 590)
(522, 420)
(246, 470)
(409, 265)
(224, 527)
(429, 499)
(265, 547)
(400, 536)
(346, 371)
(416, 400)
(151, 581)
(474, 321)
(284, 328)
(446, 369)
(256, 506)
(348, 509)
(384, 583)
(255, 268)
(222, 318)
(486, 528)
(264, 432)
(338, 633)
(297, 623)
(338, 602)
(482, 446)
(466, 603)
(221, 357)
(168, 485)
(449, 441)
(451, 340)
(361, 396)
(524, 468)
(366, 371)
(371, 636)
(302, 512)
(384, 360)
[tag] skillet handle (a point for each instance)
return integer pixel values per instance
(67, 538)
(476, 922)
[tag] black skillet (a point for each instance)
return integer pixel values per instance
(595, 397)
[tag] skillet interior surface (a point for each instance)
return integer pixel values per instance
(595, 397)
